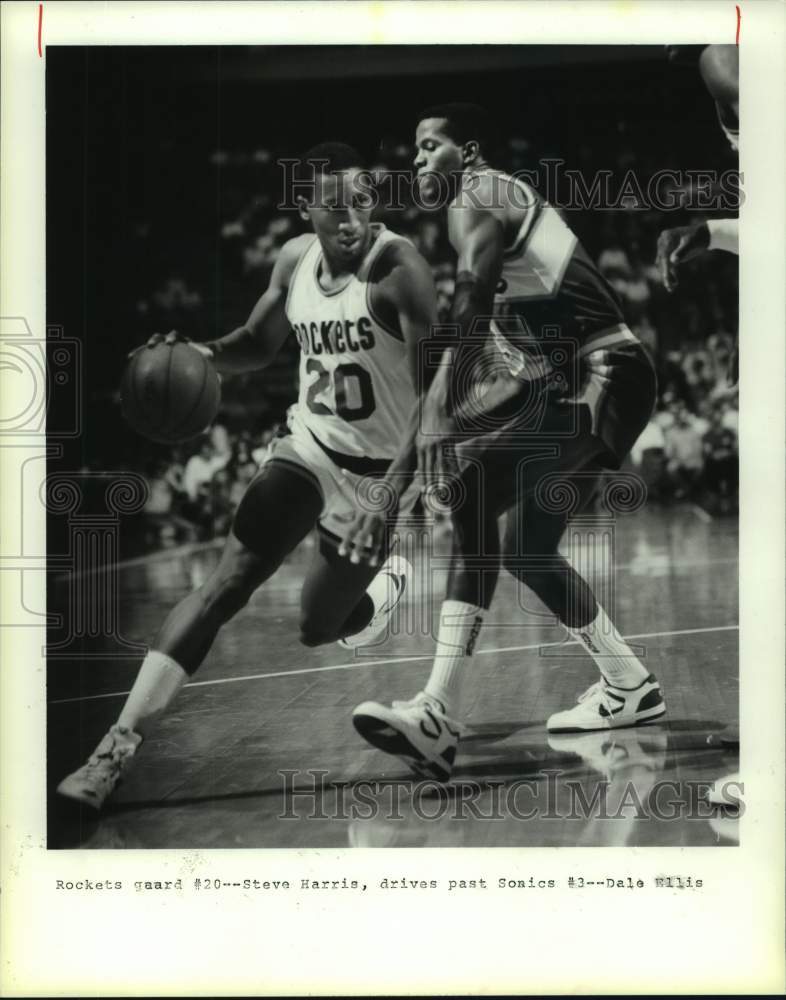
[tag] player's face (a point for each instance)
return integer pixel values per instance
(341, 214)
(437, 155)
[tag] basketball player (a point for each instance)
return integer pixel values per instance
(520, 263)
(359, 299)
(719, 67)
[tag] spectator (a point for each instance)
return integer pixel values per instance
(160, 517)
(721, 468)
(684, 453)
(201, 468)
(649, 457)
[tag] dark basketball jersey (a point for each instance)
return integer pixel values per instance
(549, 287)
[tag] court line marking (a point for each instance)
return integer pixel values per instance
(701, 513)
(354, 664)
(196, 548)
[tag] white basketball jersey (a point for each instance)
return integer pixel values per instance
(356, 390)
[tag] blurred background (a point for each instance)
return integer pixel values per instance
(162, 190)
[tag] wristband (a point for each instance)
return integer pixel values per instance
(724, 235)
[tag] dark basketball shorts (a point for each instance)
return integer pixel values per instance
(547, 431)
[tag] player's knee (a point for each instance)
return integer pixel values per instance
(528, 567)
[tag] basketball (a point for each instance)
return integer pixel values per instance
(170, 392)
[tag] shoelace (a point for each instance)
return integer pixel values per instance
(113, 755)
(596, 692)
(420, 698)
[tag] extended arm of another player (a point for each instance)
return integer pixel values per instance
(416, 303)
(255, 344)
(409, 290)
(675, 246)
(478, 239)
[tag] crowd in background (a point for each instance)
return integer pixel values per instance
(687, 453)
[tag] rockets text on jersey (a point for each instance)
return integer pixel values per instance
(356, 391)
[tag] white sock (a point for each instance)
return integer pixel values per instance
(459, 625)
(381, 590)
(613, 656)
(156, 685)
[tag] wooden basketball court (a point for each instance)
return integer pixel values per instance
(259, 750)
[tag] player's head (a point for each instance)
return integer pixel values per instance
(449, 139)
(337, 198)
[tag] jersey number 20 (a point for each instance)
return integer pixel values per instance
(341, 375)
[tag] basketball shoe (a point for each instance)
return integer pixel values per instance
(393, 576)
(603, 706)
(726, 791)
(95, 781)
(418, 732)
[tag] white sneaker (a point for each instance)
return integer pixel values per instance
(95, 781)
(417, 732)
(603, 706)
(398, 570)
(726, 791)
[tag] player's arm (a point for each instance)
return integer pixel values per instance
(407, 294)
(719, 66)
(478, 237)
(255, 344)
(675, 246)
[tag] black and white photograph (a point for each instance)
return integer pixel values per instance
(394, 460)
(427, 400)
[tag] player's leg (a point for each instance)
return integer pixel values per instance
(423, 731)
(612, 410)
(472, 581)
(627, 693)
(279, 508)
(345, 600)
(531, 548)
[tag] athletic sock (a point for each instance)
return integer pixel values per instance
(613, 656)
(156, 685)
(459, 626)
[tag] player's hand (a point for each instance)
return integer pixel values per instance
(364, 540)
(676, 246)
(173, 337)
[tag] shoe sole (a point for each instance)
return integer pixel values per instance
(81, 800)
(390, 740)
(652, 715)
